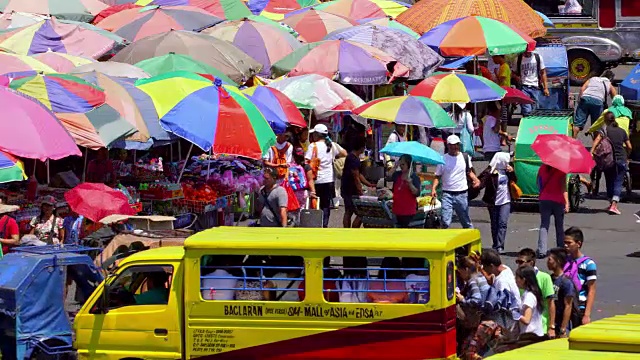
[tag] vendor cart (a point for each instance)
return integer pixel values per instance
(526, 161)
(376, 213)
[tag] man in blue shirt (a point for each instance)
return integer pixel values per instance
(587, 271)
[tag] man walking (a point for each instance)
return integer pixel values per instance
(531, 76)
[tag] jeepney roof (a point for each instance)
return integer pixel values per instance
(161, 253)
(339, 239)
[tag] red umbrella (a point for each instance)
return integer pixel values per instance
(563, 153)
(97, 201)
(515, 96)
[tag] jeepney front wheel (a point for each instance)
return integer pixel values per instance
(583, 65)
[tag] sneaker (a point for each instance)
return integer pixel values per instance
(613, 210)
(541, 256)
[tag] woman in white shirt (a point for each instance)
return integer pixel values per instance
(532, 303)
(498, 197)
(321, 154)
(492, 131)
(462, 118)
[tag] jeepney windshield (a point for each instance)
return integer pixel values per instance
(563, 8)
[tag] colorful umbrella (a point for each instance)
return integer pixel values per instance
(563, 153)
(425, 15)
(214, 52)
(418, 57)
(97, 128)
(209, 114)
(346, 61)
(112, 68)
(476, 35)
(60, 36)
(178, 62)
(34, 131)
(318, 93)
(263, 42)
(97, 201)
(15, 20)
(225, 9)
(276, 107)
(545, 20)
(360, 9)
(408, 110)
(277, 9)
(79, 10)
(314, 25)
(135, 24)
(11, 169)
(11, 63)
(458, 88)
(515, 96)
(114, 9)
(390, 23)
(61, 62)
(61, 93)
(419, 152)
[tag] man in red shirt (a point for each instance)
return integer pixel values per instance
(9, 232)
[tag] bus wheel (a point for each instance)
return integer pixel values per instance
(583, 64)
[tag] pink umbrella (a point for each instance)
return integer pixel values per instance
(34, 131)
(61, 62)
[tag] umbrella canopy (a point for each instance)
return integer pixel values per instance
(178, 62)
(425, 15)
(277, 9)
(15, 20)
(476, 35)
(458, 88)
(345, 61)
(276, 107)
(408, 110)
(135, 24)
(34, 131)
(209, 50)
(314, 25)
(113, 68)
(12, 63)
(390, 23)
(61, 62)
(360, 9)
(97, 128)
(419, 152)
(61, 93)
(224, 9)
(97, 201)
(114, 9)
(318, 93)
(263, 42)
(77, 39)
(78, 10)
(11, 169)
(210, 115)
(418, 57)
(563, 153)
(515, 96)
(545, 20)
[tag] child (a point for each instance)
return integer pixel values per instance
(586, 271)
(564, 290)
(531, 319)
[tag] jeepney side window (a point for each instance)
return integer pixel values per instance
(556, 8)
(141, 285)
(630, 8)
(451, 283)
(252, 277)
(379, 280)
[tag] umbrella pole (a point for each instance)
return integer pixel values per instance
(84, 168)
(208, 165)
(185, 164)
(35, 164)
(48, 176)
(170, 152)
(179, 151)
(475, 105)
(134, 156)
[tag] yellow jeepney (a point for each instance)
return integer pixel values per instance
(161, 304)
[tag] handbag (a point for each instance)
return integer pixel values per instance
(467, 141)
(292, 200)
(338, 167)
(514, 190)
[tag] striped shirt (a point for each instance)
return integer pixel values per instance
(587, 271)
(478, 288)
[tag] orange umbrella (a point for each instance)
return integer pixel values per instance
(425, 15)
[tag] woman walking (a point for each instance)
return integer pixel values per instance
(498, 198)
(554, 201)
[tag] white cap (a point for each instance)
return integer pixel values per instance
(320, 128)
(453, 139)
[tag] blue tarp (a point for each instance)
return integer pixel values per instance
(31, 294)
(555, 59)
(630, 86)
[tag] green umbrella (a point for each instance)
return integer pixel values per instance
(177, 62)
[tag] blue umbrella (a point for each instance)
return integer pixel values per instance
(419, 152)
(545, 20)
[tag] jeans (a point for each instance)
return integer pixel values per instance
(614, 177)
(403, 221)
(534, 94)
(588, 107)
(499, 215)
(547, 209)
(459, 202)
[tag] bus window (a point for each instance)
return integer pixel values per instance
(630, 8)
(394, 280)
(557, 8)
(252, 277)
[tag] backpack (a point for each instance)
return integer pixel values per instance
(472, 192)
(281, 159)
(519, 68)
(297, 177)
(315, 161)
(571, 271)
(603, 153)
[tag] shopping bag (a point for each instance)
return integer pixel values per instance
(467, 142)
(514, 190)
(312, 216)
(292, 200)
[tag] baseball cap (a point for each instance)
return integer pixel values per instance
(453, 139)
(320, 128)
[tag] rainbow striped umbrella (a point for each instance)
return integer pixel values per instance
(314, 25)
(263, 42)
(276, 107)
(458, 88)
(11, 168)
(475, 35)
(79, 10)
(225, 9)
(61, 93)
(359, 9)
(407, 110)
(135, 24)
(209, 114)
(277, 9)
(12, 64)
(61, 62)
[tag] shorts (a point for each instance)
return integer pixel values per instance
(348, 202)
(588, 107)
